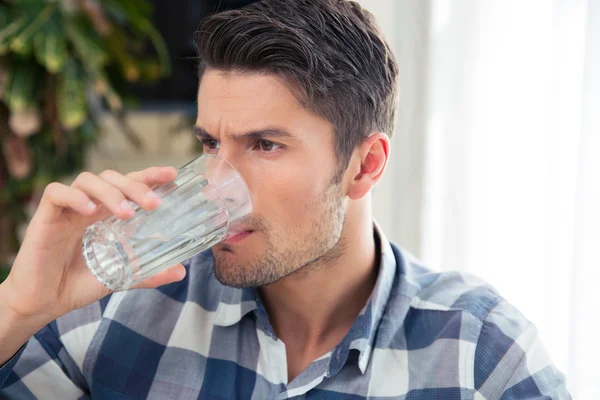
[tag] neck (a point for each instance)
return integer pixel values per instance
(318, 304)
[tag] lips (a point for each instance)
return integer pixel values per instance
(238, 237)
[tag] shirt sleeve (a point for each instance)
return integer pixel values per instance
(42, 369)
(7, 367)
(511, 363)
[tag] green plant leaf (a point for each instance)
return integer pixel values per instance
(50, 45)
(110, 94)
(72, 110)
(9, 31)
(5, 15)
(67, 49)
(20, 90)
(129, 69)
(138, 18)
(124, 8)
(88, 46)
(23, 42)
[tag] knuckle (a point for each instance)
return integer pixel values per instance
(138, 175)
(140, 185)
(133, 185)
(115, 193)
(84, 176)
(51, 189)
(108, 173)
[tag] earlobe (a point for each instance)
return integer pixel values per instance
(372, 154)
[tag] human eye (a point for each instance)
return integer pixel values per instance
(266, 146)
(210, 145)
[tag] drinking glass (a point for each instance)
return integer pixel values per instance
(207, 203)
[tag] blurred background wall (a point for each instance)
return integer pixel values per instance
(495, 164)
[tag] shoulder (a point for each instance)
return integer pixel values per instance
(459, 308)
(448, 292)
(458, 317)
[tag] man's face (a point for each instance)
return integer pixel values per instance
(286, 155)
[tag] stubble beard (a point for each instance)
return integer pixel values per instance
(284, 252)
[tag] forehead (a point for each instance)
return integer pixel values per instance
(243, 101)
(234, 92)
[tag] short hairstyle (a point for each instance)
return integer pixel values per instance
(329, 52)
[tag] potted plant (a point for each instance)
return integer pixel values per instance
(64, 65)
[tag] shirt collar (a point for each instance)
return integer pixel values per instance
(361, 336)
(236, 303)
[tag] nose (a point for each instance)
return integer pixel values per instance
(227, 155)
(231, 159)
(237, 162)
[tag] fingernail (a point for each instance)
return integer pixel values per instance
(126, 206)
(91, 205)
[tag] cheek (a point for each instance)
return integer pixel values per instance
(282, 196)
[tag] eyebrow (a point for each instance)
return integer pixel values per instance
(260, 134)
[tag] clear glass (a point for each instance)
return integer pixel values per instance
(207, 203)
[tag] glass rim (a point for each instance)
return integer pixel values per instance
(231, 166)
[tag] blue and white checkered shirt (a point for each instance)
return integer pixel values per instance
(422, 335)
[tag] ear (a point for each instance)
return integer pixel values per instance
(368, 163)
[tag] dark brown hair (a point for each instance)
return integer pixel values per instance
(330, 53)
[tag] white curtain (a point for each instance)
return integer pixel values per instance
(512, 173)
(495, 165)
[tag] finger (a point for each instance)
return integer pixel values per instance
(135, 190)
(154, 175)
(58, 197)
(105, 193)
(173, 274)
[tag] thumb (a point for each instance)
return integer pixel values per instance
(173, 274)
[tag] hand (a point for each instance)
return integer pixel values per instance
(49, 277)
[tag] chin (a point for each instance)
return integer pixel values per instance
(230, 272)
(229, 259)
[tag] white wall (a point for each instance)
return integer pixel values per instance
(161, 145)
(399, 196)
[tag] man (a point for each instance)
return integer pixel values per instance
(312, 301)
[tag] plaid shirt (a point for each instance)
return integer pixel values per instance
(421, 335)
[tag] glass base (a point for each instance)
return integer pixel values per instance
(105, 257)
